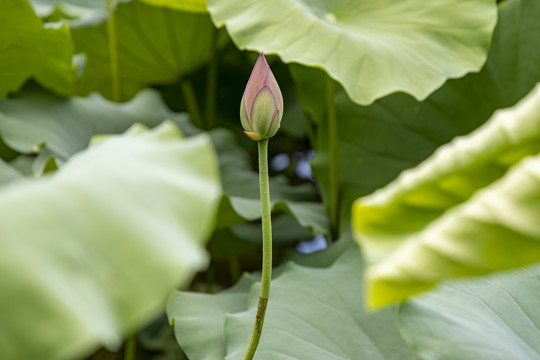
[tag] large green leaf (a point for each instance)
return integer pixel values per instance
(156, 45)
(397, 132)
(317, 313)
(65, 126)
(372, 47)
(198, 318)
(30, 50)
(60, 127)
(83, 10)
(8, 173)
(93, 251)
(185, 5)
(458, 213)
(491, 318)
(313, 313)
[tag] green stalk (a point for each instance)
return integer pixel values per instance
(129, 350)
(211, 83)
(113, 52)
(267, 250)
(333, 163)
(191, 103)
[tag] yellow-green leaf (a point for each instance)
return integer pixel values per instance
(461, 212)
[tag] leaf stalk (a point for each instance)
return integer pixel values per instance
(113, 52)
(129, 351)
(333, 164)
(211, 83)
(191, 103)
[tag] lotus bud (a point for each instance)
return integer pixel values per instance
(261, 107)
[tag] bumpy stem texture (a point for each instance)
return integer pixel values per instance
(267, 250)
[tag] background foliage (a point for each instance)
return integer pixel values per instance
(124, 175)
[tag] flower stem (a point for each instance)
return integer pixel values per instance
(333, 163)
(267, 250)
(113, 52)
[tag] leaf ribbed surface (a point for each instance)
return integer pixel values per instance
(314, 312)
(395, 133)
(489, 318)
(198, 318)
(373, 48)
(318, 313)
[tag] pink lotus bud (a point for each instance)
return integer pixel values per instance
(261, 108)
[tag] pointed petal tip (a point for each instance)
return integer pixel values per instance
(262, 59)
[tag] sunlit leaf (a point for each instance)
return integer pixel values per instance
(93, 251)
(460, 212)
(185, 5)
(372, 47)
(490, 318)
(30, 50)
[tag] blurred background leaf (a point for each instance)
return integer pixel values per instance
(65, 126)
(241, 187)
(156, 46)
(93, 251)
(30, 49)
(198, 6)
(461, 212)
(87, 11)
